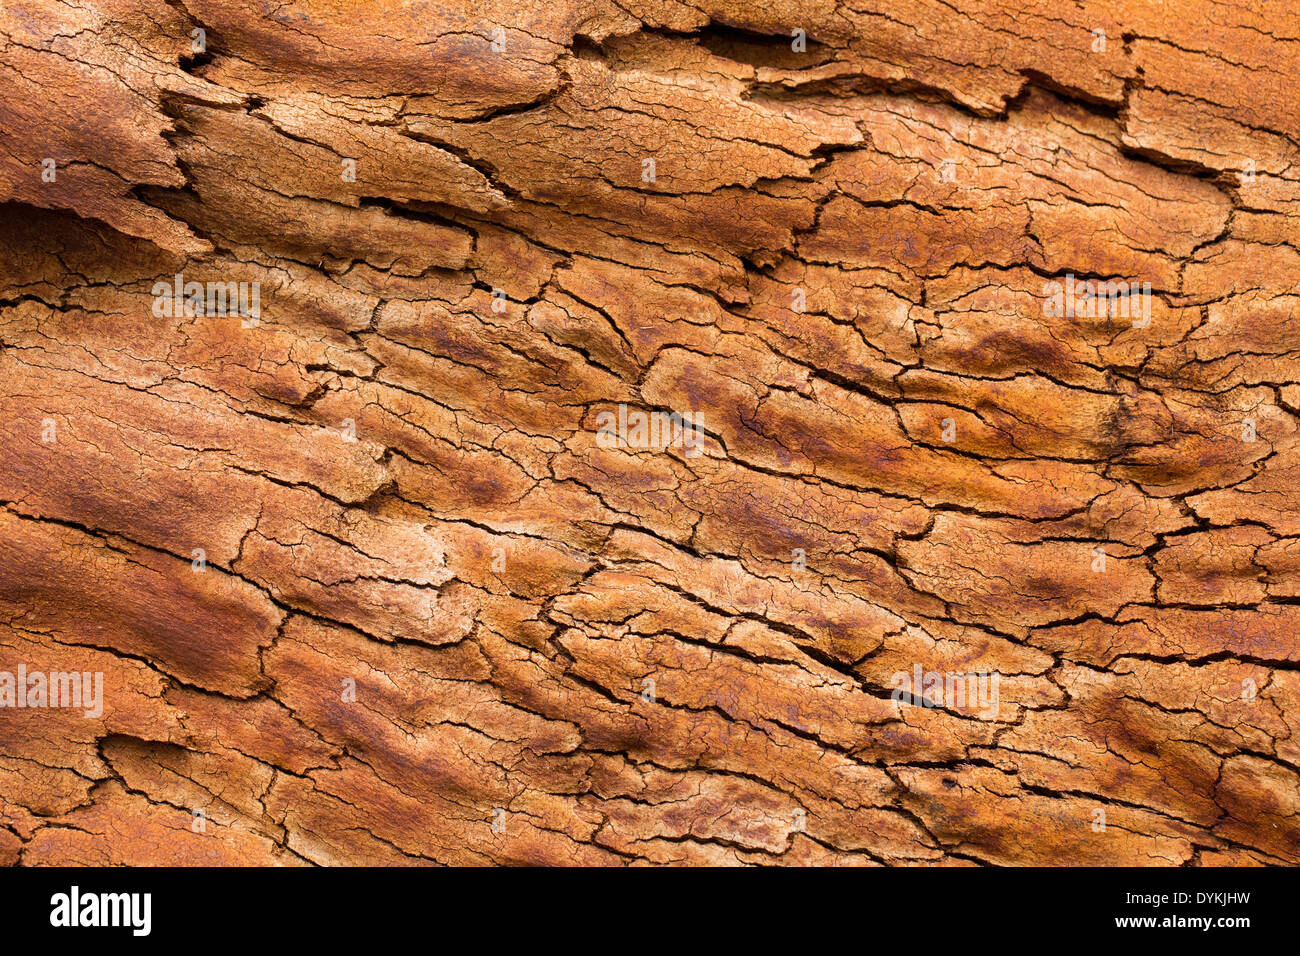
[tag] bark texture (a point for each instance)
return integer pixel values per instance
(566, 651)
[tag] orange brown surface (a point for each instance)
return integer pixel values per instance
(366, 587)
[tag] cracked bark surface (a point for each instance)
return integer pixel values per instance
(501, 586)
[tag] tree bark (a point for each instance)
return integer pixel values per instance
(804, 432)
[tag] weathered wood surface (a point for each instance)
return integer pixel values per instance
(909, 461)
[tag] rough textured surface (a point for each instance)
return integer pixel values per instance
(570, 653)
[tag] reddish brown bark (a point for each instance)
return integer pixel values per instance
(365, 583)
